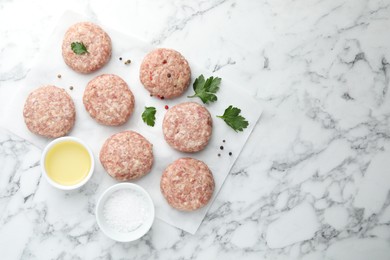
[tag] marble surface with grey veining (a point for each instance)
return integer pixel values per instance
(313, 180)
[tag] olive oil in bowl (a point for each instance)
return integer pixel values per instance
(67, 163)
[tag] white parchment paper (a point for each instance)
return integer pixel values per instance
(50, 63)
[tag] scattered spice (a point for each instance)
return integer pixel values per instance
(221, 147)
(71, 87)
(169, 75)
(120, 58)
(230, 153)
(164, 61)
(151, 95)
(162, 97)
(59, 76)
(223, 141)
(166, 107)
(219, 155)
(127, 62)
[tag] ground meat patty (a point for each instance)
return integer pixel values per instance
(187, 184)
(97, 42)
(165, 73)
(127, 155)
(108, 100)
(49, 111)
(187, 127)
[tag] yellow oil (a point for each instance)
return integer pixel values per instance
(67, 163)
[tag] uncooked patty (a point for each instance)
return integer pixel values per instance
(108, 100)
(187, 184)
(127, 155)
(49, 111)
(187, 127)
(97, 42)
(165, 73)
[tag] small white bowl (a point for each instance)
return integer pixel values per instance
(56, 184)
(121, 236)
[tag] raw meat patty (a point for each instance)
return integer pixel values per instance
(97, 42)
(49, 111)
(127, 155)
(165, 73)
(187, 184)
(187, 127)
(108, 100)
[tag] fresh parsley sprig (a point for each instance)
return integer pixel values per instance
(206, 89)
(79, 48)
(149, 115)
(232, 118)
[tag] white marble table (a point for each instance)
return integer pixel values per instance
(313, 180)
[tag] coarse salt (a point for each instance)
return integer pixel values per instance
(125, 210)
